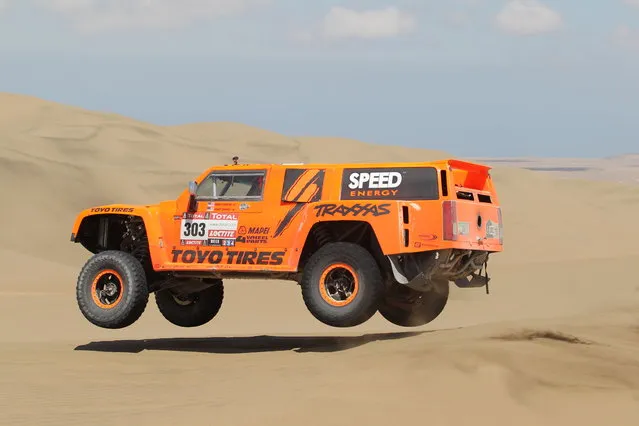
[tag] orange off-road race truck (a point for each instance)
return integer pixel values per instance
(357, 238)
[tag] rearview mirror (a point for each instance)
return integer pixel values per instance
(192, 187)
(192, 206)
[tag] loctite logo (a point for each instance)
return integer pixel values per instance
(375, 180)
(216, 233)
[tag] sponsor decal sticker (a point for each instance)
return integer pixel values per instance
(218, 206)
(253, 234)
(300, 186)
(195, 215)
(382, 180)
(352, 210)
(191, 242)
(224, 216)
(219, 233)
(224, 242)
(235, 257)
(208, 227)
(385, 183)
(226, 225)
(112, 210)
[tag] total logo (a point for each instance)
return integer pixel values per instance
(375, 180)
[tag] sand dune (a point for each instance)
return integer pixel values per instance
(620, 168)
(556, 341)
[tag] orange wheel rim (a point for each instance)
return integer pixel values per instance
(339, 284)
(107, 289)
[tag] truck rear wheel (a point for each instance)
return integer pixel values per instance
(193, 309)
(406, 307)
(342, 285)
(111, 290)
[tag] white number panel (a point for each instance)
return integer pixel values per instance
(194, 229)
(208, 228)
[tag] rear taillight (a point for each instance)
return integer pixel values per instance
(450, 220)
(501, 227)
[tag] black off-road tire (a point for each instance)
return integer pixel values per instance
(193, 311)
(358, 269)
(106, 272)
(406, 307)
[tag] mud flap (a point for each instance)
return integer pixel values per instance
(419, 282)
(417, 272)
(399, 277)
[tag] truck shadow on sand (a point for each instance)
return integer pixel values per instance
(238, 345)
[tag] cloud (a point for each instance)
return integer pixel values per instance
(528, 17)
(101, 15)
(341, 23)
(626, 37)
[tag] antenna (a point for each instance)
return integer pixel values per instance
(235, 160)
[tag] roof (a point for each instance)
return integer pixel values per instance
(446, 162)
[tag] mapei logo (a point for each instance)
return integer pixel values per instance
(374, 180)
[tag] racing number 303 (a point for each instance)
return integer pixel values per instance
(194, 229)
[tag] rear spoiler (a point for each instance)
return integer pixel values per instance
(469, 175)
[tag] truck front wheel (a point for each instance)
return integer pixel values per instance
(193, 309)
(406, 307)
(342, 285)
(112, 290)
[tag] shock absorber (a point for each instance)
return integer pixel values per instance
(322, 235)
(137, 240)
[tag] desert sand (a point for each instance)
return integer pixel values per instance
(555, 342)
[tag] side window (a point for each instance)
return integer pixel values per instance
(232, 185)
(205, 189)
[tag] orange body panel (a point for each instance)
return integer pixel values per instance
(405, 206)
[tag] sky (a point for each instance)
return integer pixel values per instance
(471, 77)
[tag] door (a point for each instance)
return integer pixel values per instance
(231, 225)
